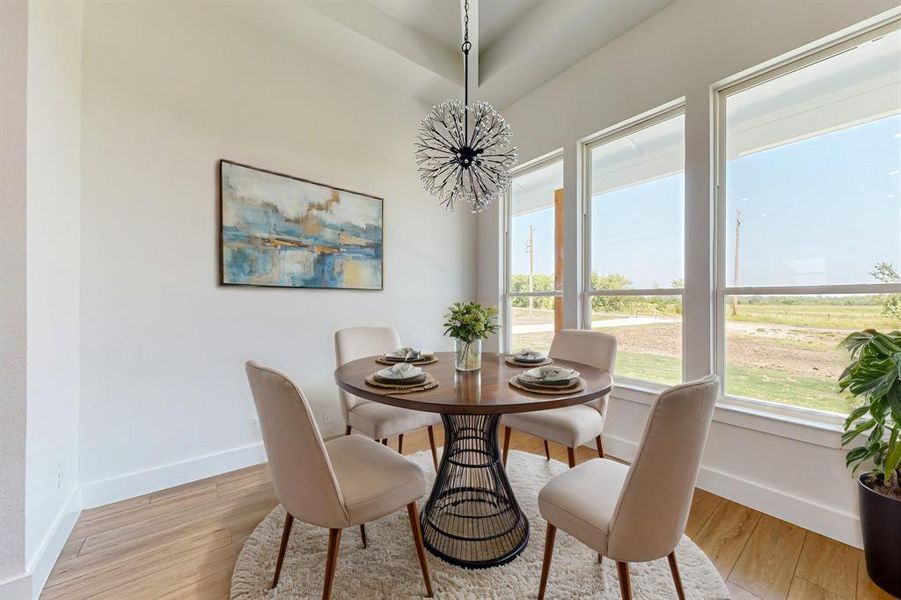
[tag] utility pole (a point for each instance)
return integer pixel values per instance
(735, 268)
(530, 248)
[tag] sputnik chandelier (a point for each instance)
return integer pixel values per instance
(459, 164)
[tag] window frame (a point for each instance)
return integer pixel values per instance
(507, 218)
(721, 232)
(607, 136)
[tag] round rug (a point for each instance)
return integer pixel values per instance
(388, 568)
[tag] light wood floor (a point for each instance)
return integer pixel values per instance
(183, 542)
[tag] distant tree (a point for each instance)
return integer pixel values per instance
(887, 273)
(677, 283)
(610, 304)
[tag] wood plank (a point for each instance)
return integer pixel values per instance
(162, 562)
(767, 564)
(79, 566)
(725, 534)
(703, 504)
(804, 590)
(829, 564)
(207, 514)
(145, 512)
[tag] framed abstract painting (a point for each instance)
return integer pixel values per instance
(282, 231)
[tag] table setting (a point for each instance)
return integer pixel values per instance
(528, 358)
(402, 377)
(549, 379)
(407, 355)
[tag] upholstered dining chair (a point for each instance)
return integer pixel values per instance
(375, 420)
(574, 425)
(636, 513)
(346, 482)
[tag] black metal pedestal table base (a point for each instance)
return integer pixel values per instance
(472, 518)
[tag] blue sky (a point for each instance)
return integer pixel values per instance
(818, 211)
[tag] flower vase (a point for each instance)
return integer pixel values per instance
(467, 355)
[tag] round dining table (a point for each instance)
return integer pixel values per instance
(472, 518)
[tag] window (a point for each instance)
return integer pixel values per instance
(809, 219)
(635, 241)
(535, 256)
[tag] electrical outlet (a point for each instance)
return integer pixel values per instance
(255, 425)
(327, 419)
(59, 474)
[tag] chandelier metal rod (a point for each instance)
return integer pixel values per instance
(466, 47)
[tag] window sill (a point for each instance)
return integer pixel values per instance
(819, 430)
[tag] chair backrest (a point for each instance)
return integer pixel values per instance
(358, 342)
(302, 474)
(589, 347)
(652, 511)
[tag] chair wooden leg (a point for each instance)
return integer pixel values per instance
(548, 553)
(600, 558)
(571, 455)
(600, 446)
(420, 549)
(363, 534)
(547, 451)
(432, 444)
(334, 540)
(400, 444)
(677, 579)
(347, 430)
(286, 534)
(625, 584)
(506, 444)
(384, 441)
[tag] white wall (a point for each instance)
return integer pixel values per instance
(682, 52)
(13, 74)
(169, 89)
(53, 246)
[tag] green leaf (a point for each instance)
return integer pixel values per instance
(848, 436)
(856, 414)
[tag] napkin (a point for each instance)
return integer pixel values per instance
(551, 373)
(403, 371)
(529, 354)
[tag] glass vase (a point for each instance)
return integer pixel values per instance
(467, 355)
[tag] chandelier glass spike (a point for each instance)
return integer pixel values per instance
(459, 163)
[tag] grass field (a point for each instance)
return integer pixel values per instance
(786, 353)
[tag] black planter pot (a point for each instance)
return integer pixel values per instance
(880, 524)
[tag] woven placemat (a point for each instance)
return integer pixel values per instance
(429, 383)
(416, 363)
(561, 391)
(514, 363)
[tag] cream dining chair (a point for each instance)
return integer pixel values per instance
(372, 419)
(574, 425)
(343, 483)
(636, 513)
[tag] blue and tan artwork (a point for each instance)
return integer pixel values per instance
(286, 232)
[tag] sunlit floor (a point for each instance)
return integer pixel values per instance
(183, 542)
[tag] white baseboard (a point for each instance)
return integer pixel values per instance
(804, 512)
(29, 585)
(45, 557)
(121, 487)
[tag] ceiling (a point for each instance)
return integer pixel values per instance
(414, 45)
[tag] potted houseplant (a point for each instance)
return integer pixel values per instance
(469, 324)
(874, 376)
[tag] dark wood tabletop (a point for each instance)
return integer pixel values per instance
(485, 392)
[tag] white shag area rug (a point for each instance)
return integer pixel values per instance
(388, 568)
